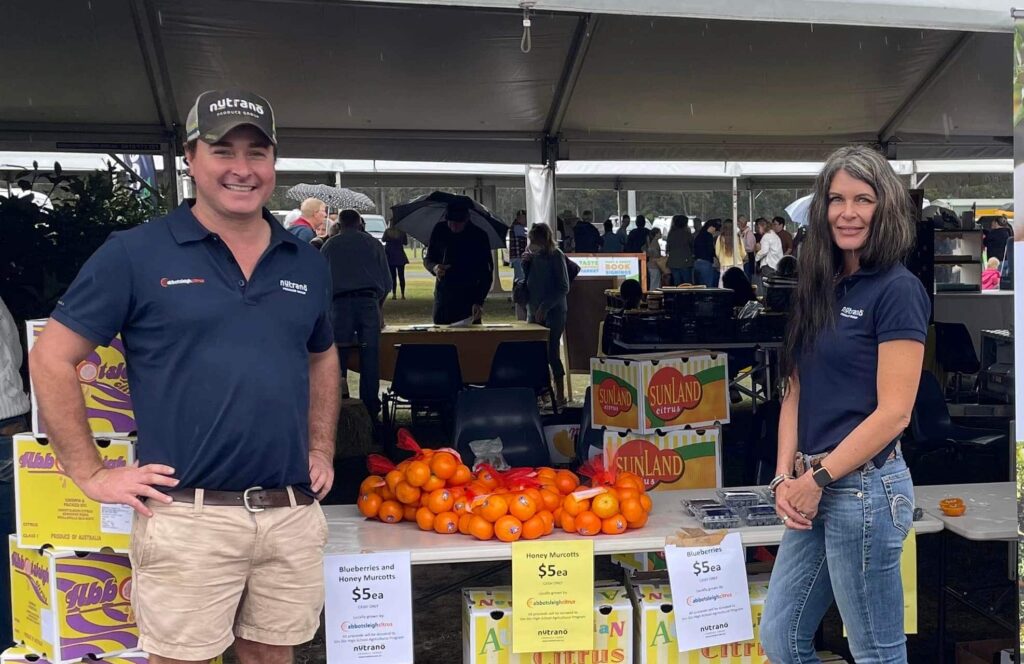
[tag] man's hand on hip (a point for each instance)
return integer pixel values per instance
(129, 485)
(321, 474)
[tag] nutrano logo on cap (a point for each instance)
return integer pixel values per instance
(240, 104)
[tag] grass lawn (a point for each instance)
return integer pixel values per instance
(419, 293)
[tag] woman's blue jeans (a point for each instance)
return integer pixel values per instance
(682, 275)
(852, 555)
(705, 274)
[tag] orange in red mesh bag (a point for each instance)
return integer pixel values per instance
(615, 502)
(394, 493)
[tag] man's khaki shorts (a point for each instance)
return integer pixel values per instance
(204, 575)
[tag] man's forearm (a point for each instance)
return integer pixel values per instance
(62, 407)
(324, 388)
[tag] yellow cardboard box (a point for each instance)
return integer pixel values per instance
(69, 606)
(687, 459)
(22, 655)
(655, 628)
(103, 377)
(668, 391)
(52, 511)
(487, 629)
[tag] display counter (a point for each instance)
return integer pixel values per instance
(350, 532)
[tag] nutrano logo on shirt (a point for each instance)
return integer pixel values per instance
(851, 313)
(292, 287)
(165, 282)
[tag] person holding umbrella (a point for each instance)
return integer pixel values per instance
(459, 255)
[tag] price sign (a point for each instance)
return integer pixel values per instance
(552, 596)
(709, 590)
(368, 608)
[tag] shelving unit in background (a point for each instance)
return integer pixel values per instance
(957, 260)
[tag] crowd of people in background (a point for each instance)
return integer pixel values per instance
(688, 251)
(714, 253)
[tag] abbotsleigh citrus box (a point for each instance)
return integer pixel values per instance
(666, 392)
(67, 606)
(52, 511)
(686, 459)
(655, 629)
(103, 377)
(487, 629)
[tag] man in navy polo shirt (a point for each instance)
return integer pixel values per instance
(225, 320)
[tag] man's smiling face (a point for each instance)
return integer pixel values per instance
(235, 176)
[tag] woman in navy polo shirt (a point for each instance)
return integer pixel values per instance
(853, 356)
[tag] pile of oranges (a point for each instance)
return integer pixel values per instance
(438, 492)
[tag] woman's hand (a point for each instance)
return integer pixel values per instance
(538, 316)
(792, 504)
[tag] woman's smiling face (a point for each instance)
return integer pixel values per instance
(851, 207)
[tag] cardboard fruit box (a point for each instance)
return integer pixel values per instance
(688, 459)
(22, 655)
(103, 377)
(666, 392)
(655, 628)
(52, 511)
(487, 629)
(68, 606)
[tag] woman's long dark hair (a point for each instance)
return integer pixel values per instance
(890, 238)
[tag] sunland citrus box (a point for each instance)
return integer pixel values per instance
(687, 459)
(668, 391)
(68, 606)
(655, 629)
(487, 629)
(52, 511)
(103, 377)
(22, 655)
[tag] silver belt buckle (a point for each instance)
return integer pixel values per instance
(245, 499)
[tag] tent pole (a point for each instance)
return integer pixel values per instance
(169, 174)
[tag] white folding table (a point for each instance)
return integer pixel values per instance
(349, 532)
(991, 515)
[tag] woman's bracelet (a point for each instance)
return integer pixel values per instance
(777, 480)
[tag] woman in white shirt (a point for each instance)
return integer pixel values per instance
(726, 249)
(655, 260)
(769, 253)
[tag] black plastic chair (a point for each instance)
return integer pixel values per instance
(954, 352)
(507, 413)
(427, 378)
(523, 364)
(588, 439)
(941, 452)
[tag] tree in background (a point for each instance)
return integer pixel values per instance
(42, 247)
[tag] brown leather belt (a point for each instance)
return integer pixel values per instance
(254, 499)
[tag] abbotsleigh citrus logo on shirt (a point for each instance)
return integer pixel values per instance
(187, 281)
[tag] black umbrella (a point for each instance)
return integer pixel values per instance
(941, 217)
(419, 216)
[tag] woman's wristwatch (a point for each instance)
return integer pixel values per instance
(821, 475)
(776, 481)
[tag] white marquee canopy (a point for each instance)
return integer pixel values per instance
(605, 79)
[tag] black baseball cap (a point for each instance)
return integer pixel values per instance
(216, 112)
